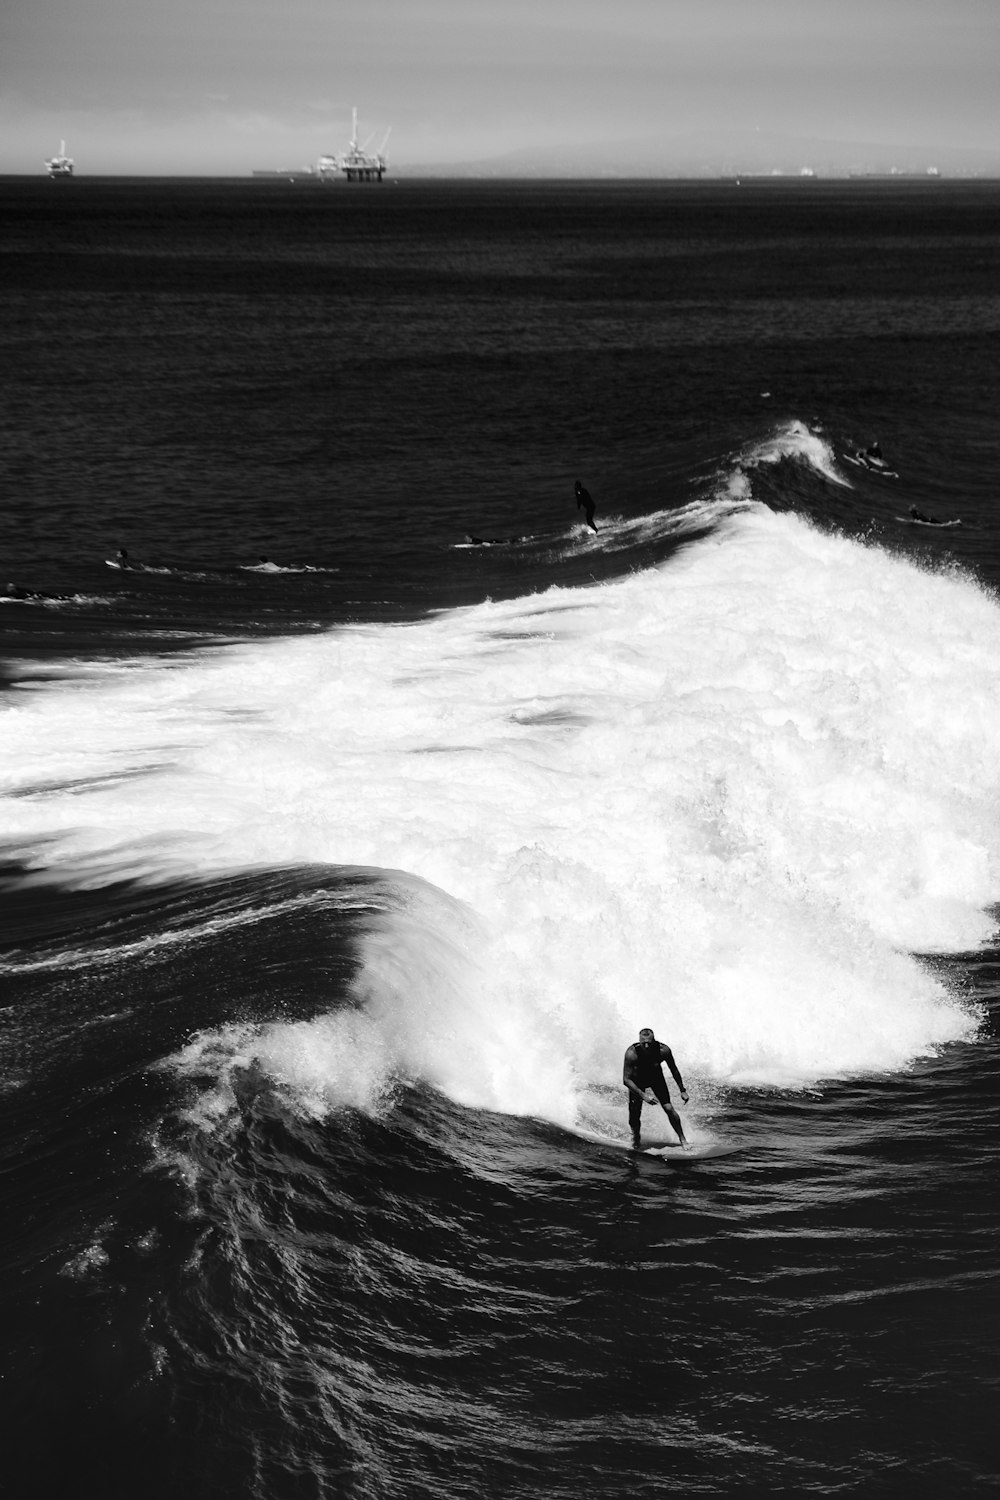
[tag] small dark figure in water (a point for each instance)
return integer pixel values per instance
(919, 515)
(15, 591)
(121, 558)
(872, 457)
(642, 1075)
(585, 502)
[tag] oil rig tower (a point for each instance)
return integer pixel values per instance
(356, 164)
(60, 165)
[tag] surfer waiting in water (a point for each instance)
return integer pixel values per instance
(643, 1077)
(874, 450)
(121, 558)
(585, 501)
(919, 515)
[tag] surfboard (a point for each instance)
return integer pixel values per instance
(494, 541)
(676, 1156)
(916, 521)
(140, 567)
(673, 1153)
(871, 465)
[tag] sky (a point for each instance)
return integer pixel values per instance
(226, 86)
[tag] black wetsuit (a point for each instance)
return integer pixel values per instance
(648, 1074)
(585, 501)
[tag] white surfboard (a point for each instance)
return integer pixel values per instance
(676, 1156)
(673, 1153)
(871, 464)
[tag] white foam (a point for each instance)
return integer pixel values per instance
(795, 440)
(728, 798)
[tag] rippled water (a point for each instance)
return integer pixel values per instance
(335, 888)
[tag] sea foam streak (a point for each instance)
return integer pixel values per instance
(728, 797)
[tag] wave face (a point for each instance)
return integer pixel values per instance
(729, 796)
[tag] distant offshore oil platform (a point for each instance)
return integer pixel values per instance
(61, 165)
(356, 164)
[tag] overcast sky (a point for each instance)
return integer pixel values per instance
(223, 86)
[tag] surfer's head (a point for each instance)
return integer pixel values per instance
(646, 1037)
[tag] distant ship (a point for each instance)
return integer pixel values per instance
(284, 174)
(900, 172)
(61, 165)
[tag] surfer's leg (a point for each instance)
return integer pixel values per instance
(634, 1117)
(675, 1121)
(662, 1093)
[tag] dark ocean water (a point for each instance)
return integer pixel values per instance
(336, 887)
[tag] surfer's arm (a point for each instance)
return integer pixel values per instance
(668, 1057)
(627, 1078)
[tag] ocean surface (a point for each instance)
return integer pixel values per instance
(350, 837)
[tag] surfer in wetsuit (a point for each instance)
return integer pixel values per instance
(585, 502)
(919, 515)
(643, 1077)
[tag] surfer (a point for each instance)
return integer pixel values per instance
(121, 558)
(919, 515)
(871, 458)
(584, 501)
(16, 591)
(643, 1077)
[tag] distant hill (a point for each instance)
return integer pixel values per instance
(720, 154)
